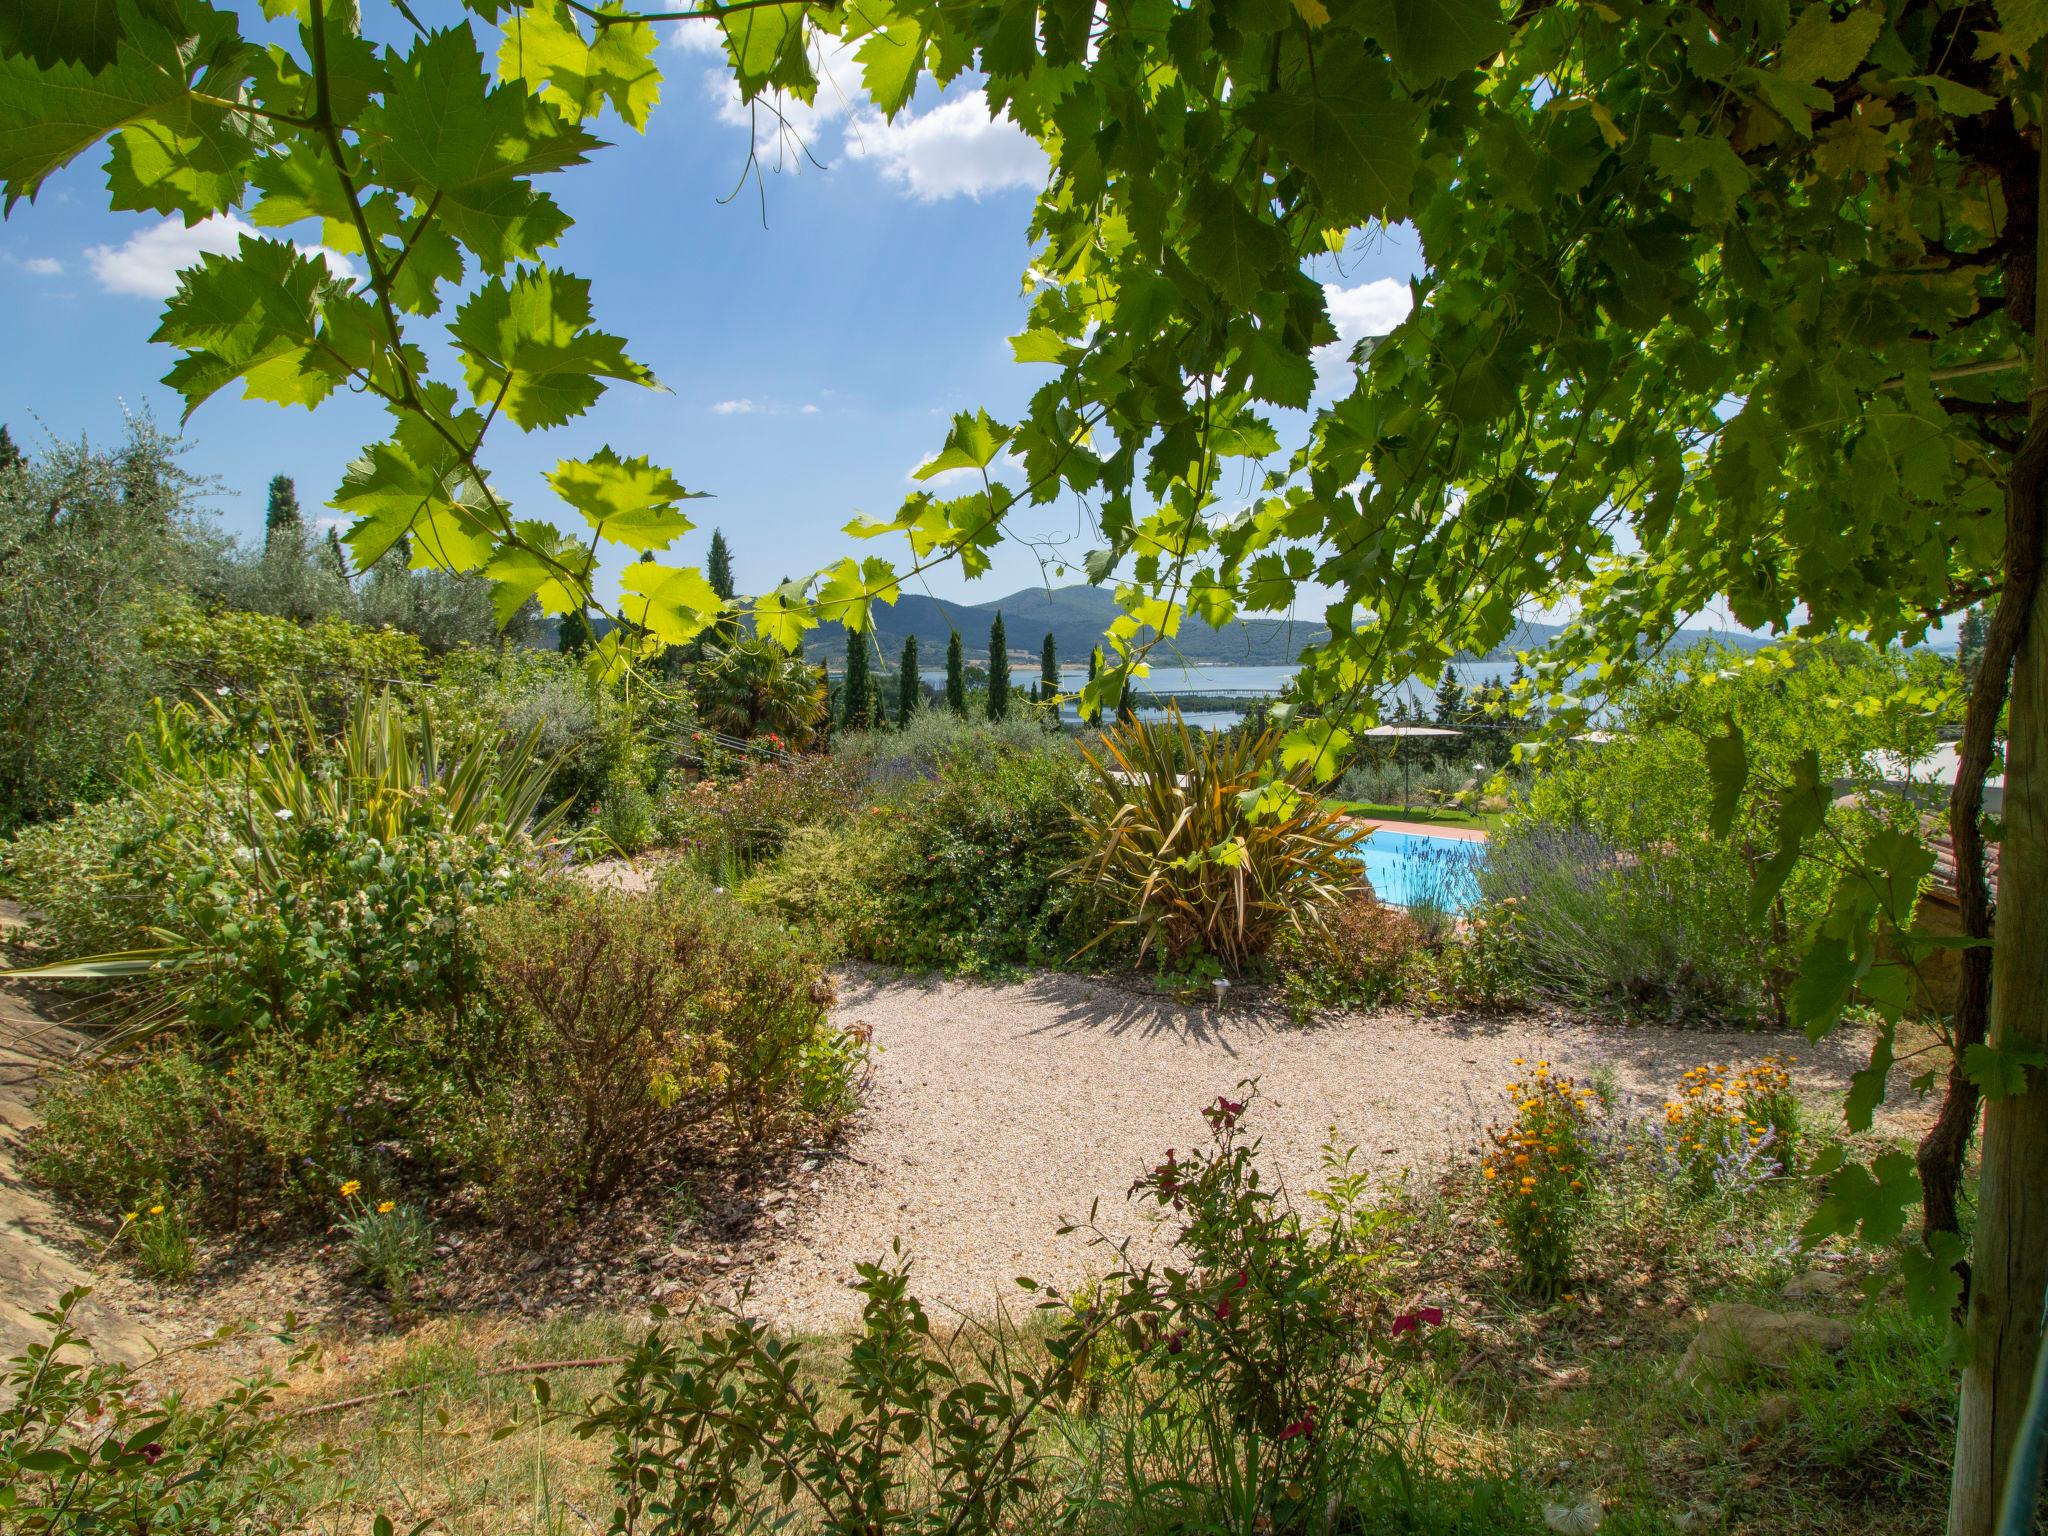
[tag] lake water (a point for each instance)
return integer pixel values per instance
(1405, 867)
(1220, 681)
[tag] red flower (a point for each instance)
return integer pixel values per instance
(1176, 1341)
(1408, 1322)
(1305, 1425)
(1223, 1311)
(152, 1453)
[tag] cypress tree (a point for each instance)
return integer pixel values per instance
(337, 557)
(281, 520)
(718, 566)
(909, 687)
(853, 703)
(1048, 668)
(9, 454)
(998, 670)
(572, 636)
(956, 677)
(1095, 671)
(1450, 698)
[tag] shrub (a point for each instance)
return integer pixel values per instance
(726, 826)
(615, 1022)
(1481, 968)
(163, 1246)
(1661, 935)
(627, 816)
(1189, 846)
(303, 885)
(80, 878)
(1539, 1174)
(1266, 1343)
(1359, 955)
(832, 881)
(975, 878)
(84, 1446)
(330, 662)
(164, 1124)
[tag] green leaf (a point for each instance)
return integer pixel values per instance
(55, 32)
(1821, 48)
(528, 348)
(1344, 125)
(543, 565)
(1238, 253)
(48, 117)
(1933, 1285)
(973, 443)
(1431, 40)
(849, 590)
(890, 60)
(544, 46)
(1728, 772)
(782, 620)
(674, 605)
(766, 46)
(1870, 1202)
(2000, 1071)
(628, 501)
(256, 316)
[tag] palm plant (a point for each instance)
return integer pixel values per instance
(755, 688)
(1195, 843)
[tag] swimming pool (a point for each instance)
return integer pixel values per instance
(1406, 867)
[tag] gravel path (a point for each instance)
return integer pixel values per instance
(995, 1113)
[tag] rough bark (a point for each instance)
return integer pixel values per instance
(2010, 1265)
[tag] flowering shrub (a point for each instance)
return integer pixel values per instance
(1726, 1131)
(1270, 1336)
(1539, 1176)
(1482, 967)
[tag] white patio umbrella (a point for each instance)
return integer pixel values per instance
(1403, 731)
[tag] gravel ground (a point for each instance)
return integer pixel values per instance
(995, 1113)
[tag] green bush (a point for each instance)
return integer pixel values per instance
(1627, 901)
(1359, 954)
(84, 878)
(974, 863)
(330, 661)
(218, 1140)
(832, 881)
(613, 1024)
(724, 826)
(84, 1446)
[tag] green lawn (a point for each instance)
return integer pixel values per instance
(1425, 815)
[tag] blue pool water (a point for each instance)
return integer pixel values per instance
(1405, 867)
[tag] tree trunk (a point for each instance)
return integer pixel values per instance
(2010, 1267)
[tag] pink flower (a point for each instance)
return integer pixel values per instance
(1176, 1341)
(1223, 1311)
(1305, 1425)
(1422, 1317)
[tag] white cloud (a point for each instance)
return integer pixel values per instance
(787, 128)
(810, 410)
(706, 37)
(954, 150)
(44, 266)
(147, 263)
(734, 408)
(1369, 309)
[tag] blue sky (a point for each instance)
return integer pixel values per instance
(812, 361)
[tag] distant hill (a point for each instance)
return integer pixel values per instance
(1078, 615)
(1075, 615)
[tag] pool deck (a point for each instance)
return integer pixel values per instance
(1423, 829)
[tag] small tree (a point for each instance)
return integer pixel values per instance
(1094, 671)
(573, 636)
(718, 566)
(9, 454)
(337, 557)
(282, 524)
(853, 700)
(1450, 698)
(956, 677)
(1048, 668)
(998, 670)
(909, 687)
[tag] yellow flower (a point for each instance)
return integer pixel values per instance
(1488, 1173)
(1521, 1159)
(350, 1188)
(386, 1207)
(156, 1210)
(127, 1215)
